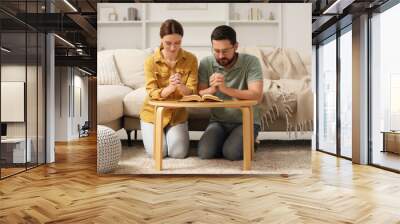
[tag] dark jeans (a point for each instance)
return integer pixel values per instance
(223, 139)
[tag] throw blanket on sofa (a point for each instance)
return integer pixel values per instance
(287, 88)
(290, 100)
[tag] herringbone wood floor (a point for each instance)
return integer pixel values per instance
(70, 191)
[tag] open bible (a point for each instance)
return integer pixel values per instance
(205, 97)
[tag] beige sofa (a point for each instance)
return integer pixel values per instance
(121, 91)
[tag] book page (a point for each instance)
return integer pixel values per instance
(209, 97)
(190, 98)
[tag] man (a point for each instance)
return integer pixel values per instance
(228, 75)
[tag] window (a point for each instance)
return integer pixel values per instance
(327, 96)
(346, 93)
(385, 85)
(22, 65)
(394, 101)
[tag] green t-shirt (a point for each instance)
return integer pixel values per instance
(246, 69)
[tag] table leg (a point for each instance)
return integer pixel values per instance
(252, 131)
(246, 138)
(158, 138)
(154, 134)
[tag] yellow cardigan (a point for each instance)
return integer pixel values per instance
(157, 74)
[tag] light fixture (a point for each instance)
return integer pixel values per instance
(80, 51)
(64, 40)
(84, 71)
(331, 7)
(70, 5)
(337, 7)
(5, 50)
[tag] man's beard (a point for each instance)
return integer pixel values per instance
(225, 61)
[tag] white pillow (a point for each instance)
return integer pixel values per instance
(107, 73)
(130, 64)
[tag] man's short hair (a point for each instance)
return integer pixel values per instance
(224, 32)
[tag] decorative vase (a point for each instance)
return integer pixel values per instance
(113, 16)
(271, 16)
(132, 13)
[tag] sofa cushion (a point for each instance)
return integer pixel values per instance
(110, 102)
(130, 65)
(133, 102)
(107, 73)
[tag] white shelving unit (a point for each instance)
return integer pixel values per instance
(254, 21)
(119, 22)
(197, 23)
(189, 21)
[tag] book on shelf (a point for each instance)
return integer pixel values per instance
(254, 14)
(198, 98)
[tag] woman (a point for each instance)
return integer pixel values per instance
(171, 73)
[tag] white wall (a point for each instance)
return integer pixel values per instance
(33, 126)
(14, 73)
(82, 82)
(12, 101)
(79, 117)
(61, 103)
(297, 27)
(67, 115)
(17, 73)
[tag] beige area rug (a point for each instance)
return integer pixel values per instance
(288, 157)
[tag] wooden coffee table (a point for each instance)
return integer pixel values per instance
(247, 117)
